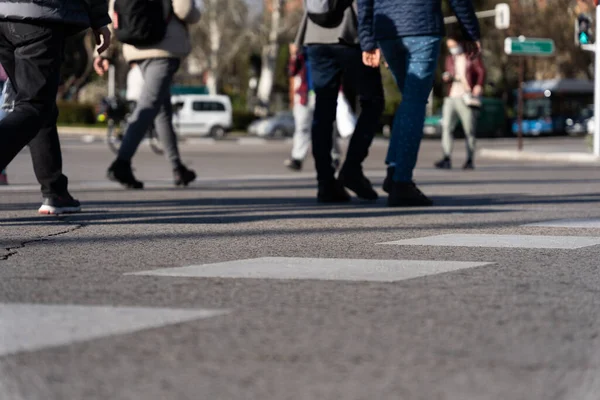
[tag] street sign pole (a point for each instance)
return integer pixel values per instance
(520, 102)
(521, 47)
(597, 89)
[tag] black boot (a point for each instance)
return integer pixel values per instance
(293, 164)
(407, 194)
(444, 163)
(120, 171)
(469, 165)
(183, 176)
(356, 181)
(332, 192)
(389, 179)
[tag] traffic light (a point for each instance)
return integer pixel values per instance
(583, 31)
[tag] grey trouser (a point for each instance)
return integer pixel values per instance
(303, 116)
(453, 110)
(154, 104)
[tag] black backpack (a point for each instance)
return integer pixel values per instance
(327, 13)
(142, 22)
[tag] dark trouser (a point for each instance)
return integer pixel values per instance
(31, 54)
(45, 151)
(328, 64)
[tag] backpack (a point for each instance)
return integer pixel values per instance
(142, 22)
(327, 13)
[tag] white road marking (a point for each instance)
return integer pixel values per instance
(592, 223)
(327, 269)
(501, 241)
(31, 327)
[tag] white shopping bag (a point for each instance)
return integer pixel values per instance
(345, 119)
(135, 82)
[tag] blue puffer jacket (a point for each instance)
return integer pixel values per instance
(389, 19)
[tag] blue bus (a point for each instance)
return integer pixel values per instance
(548, 105)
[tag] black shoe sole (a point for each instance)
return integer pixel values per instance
(372, 196)
(127, 185)
(185, 182)
(363, 196)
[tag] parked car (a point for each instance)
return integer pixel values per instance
(277, 126)
(492, 121)
(202, 115)
(578, 126)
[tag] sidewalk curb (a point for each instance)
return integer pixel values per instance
(81, 131)
(514, 155)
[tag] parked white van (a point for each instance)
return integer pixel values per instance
(202, 115)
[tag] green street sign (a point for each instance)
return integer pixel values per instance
(522, 46)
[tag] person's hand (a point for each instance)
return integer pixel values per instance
(102, 37)
(472, 49)
(293, 50)
(447, 77)
(372, 58)
(477, 91)
(101, 65)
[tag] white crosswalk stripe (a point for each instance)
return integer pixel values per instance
(502, 241)
(317, 269)
(30, 327)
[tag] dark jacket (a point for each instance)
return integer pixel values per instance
(79, 14)
(390, 19)
(475, 71)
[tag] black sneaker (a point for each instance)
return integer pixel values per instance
(120, 171)
(294, 165)
(444, 163)
(183, 176)
(407, 194)
(359, 184)
(389, 179)
(469, 165)
(56, 205)
(332, 192)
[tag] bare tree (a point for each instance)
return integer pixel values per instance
(224, 31)
(281, 22)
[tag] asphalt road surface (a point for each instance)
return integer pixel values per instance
(242, 287)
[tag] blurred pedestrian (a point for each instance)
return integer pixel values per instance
(32, 40)
(409, 34)
(303, 107)
(3, 79)
(157, 40)
(333, 53)
(464, 77)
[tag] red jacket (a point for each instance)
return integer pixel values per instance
(297, 66)
(475, 71)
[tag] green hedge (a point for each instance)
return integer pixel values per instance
(71, 113)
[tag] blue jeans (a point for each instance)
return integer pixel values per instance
(328, 64)
(412, 60)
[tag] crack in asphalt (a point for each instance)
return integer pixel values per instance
(11, 251)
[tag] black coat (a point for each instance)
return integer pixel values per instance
(75, 14)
